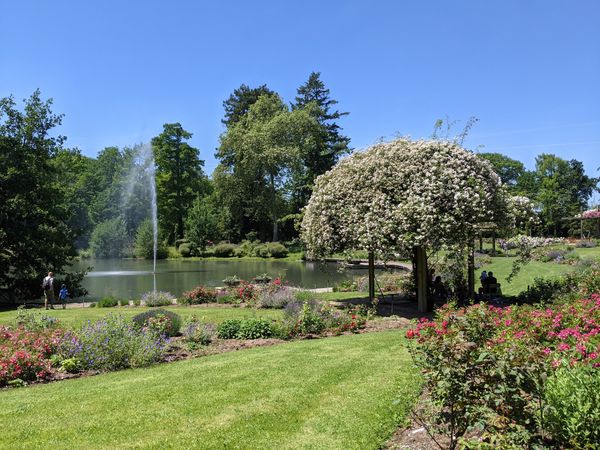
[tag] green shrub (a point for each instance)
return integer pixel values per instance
(197, 296)
(245, 329)
(277, 250)
(144, 242)
(158, 298)
(109, 239)
(123, 302)
(172, 329)
(137, 302)
(70, 365)
(224, 250)
(261, 250)
(229, 329)
(255, 329)
(178, 242)
(185, 250)
(107, 302)
(572, 395)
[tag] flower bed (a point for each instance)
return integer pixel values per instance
(24, 355)
(485, 368)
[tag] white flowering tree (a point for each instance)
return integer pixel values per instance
(400, 197)
(524, 212)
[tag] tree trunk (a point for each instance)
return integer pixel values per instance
(273, 210)
(421, 269)
(371, 277)
(471, 269)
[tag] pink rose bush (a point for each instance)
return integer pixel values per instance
(485, 367)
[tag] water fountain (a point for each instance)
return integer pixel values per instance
(143, 170)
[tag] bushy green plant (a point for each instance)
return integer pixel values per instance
(224, 250)
(305, 318)
(255, 329)
(70, 365)
(232, 281)
(229, 329)
(573, 406)
(124, 302)
(158, 298)
(107, 302)
(170, 329)
(185, 250)
(109, 239)
(277, 250)
(144, 242)
(33, 321)
(261, 250)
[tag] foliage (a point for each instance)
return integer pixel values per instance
(256, 153)
(185, 250)
(229, 329)
(205, 222)
(107, 302)
(224, 250)
(174, 320)
(485, 367)
(197, 296)
(36, 233)
(157, 298)
(109, 239)
(113, 343)
(232, 281)
(271, 295)
(33, 321)
(327, 144)
(509, 170)
(386, 200)
(123, 302)
(245, 292)
(197, 333)
(144, 242)
(572, 397)
(179, 177)
(255, 329)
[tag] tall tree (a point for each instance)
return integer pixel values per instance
(509, 170)
(258, 153)
(563, 190)
(35, 236)
(327, 144)
(239, 102)
(179, 177)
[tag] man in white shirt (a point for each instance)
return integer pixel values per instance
(48, 287)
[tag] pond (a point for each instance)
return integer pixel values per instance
(130, 278)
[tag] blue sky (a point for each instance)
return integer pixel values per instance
(118, 70)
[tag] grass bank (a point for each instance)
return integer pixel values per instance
(334, 393)
(75, 317)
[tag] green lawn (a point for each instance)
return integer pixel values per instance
(502, 266)
(334, 393)
(337, 296)
(75, 317)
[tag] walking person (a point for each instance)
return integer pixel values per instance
(48, 287)
(62, 296)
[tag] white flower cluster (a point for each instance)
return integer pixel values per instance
(401, 194)
(523, 210)
(521, 241)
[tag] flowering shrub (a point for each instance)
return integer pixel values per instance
(24, 354)
(591, 214)
(160, 320)
(197, 333)
(485, 367)
(524, 212)
(402, 194)
(33, 321)
(245, 292)
(113, 343)
(158, 298)
(529, 241)
(198, 295)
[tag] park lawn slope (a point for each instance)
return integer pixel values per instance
(502, 266)
(75, 317)
(334, 393)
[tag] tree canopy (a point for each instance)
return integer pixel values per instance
(398, 195)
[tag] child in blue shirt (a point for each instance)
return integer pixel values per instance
(62, 295)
